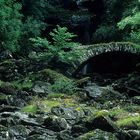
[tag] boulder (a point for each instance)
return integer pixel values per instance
(103, 94)
(136, 100)
(64, 135)
(70, 114)
(41, 88)
(19, 130)
(101, 122)
(55, 123)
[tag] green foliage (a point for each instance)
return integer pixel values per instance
(63, 86)
(31, 28)
(41, 43)
(131, 24)
(107, 30)
(37, 8)
(23, 84)
(62, 39)
(133, 21)
(105, 33)
(10, 24)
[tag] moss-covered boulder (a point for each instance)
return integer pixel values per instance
(97, 135)
(103, 94)
(101, 122)
(59, 82)
(130, 122)
(55, 123)
(50, 75)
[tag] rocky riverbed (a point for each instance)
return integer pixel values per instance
(38, 103)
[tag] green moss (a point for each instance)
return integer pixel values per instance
(50, 103)
(23, 84)
(102, 113)
(97, 135)
(1, 83)
(129, 122)
(3, 96)
(51, 75)
(59, 82)
(40, 105)
(133, 108)
(9, 62)
(30, 108)
(55, 95)
(78, 108)
(6, 84)
(118, 112)
(87, 136)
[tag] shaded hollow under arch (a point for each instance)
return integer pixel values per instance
(116, 62)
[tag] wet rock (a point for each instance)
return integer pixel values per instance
(135, 134)
(41, 88)
(129, 84)
(70, 114)
(15, 101)
(40, 137)
(24, 95)
(7, 121)
(28, 121)
(65, 135)
(6, 55)
(3, 128)
(6, 114)
(78, 130)
(7, 89)
(55, 123)
(102, 94)
(19, 130)
(132, 91)
(124, 135)
(136, 100)
(6, 135)
(97, 135)
(3, 99)
(101, 122)
(41, 130)
(3, 131)
(4, 108)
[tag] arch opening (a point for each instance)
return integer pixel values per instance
(116, 62)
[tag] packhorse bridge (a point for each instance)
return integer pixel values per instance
(115, 57)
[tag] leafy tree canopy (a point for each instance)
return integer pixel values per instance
(10, 24)
(131, 23)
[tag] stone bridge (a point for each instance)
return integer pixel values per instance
(125, 52)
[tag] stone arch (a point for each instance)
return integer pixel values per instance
(89, 51)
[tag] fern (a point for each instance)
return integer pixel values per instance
(62, 39)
